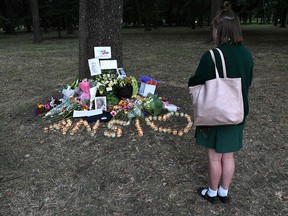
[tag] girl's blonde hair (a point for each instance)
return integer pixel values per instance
(227, 24)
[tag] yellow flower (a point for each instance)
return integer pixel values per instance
(122, 103)
(40, 106)
(72, 100)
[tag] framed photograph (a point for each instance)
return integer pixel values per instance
(102, 52)
(108, 64)
(93, 91)
(100, 103)
(121, 72)
(94, 66)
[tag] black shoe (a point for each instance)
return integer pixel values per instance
(212, 200)
(224, 199)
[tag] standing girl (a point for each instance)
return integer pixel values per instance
(222, 141)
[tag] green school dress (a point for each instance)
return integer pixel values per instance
(239, 63)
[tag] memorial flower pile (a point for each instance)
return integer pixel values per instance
(124, 105)
(121, 95)
(112, 97)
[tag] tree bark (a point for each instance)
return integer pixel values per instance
(215, 7)
(193, 11)
(148, 7)
(10, 29)
(284, 14)
(138, 6)
(100, 24)
(36, 21)
(69, 24)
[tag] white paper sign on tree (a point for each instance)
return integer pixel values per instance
(102, 52)
(94, 66)
(108, 64)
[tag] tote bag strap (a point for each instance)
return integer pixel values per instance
(213, 58)
(223, 63)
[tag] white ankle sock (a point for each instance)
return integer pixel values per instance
(222, 192)
(212, 193)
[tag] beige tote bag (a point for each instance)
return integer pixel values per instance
(219, 101)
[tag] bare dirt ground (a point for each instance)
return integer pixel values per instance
(156, 174)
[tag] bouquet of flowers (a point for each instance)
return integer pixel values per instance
(65, 109)
(153, 105)
(104, 80)
(43, 108)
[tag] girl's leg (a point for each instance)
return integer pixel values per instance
(228, 167)
(214, 168)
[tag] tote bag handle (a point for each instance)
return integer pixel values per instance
(223, 63)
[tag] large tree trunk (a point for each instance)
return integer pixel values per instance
(36, 21)
(193, 11)
(139, 12)
(10, 28)
(148, 7)
(284, 14)
(69, 24)
(215, 7)
(100, 24)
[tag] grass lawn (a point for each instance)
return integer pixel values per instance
(157, 174)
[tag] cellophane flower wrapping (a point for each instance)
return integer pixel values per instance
(85, 88)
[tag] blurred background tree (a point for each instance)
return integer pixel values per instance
(62, 15)
(101, 21)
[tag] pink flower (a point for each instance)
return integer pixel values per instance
(47, 107)
(113, 112)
